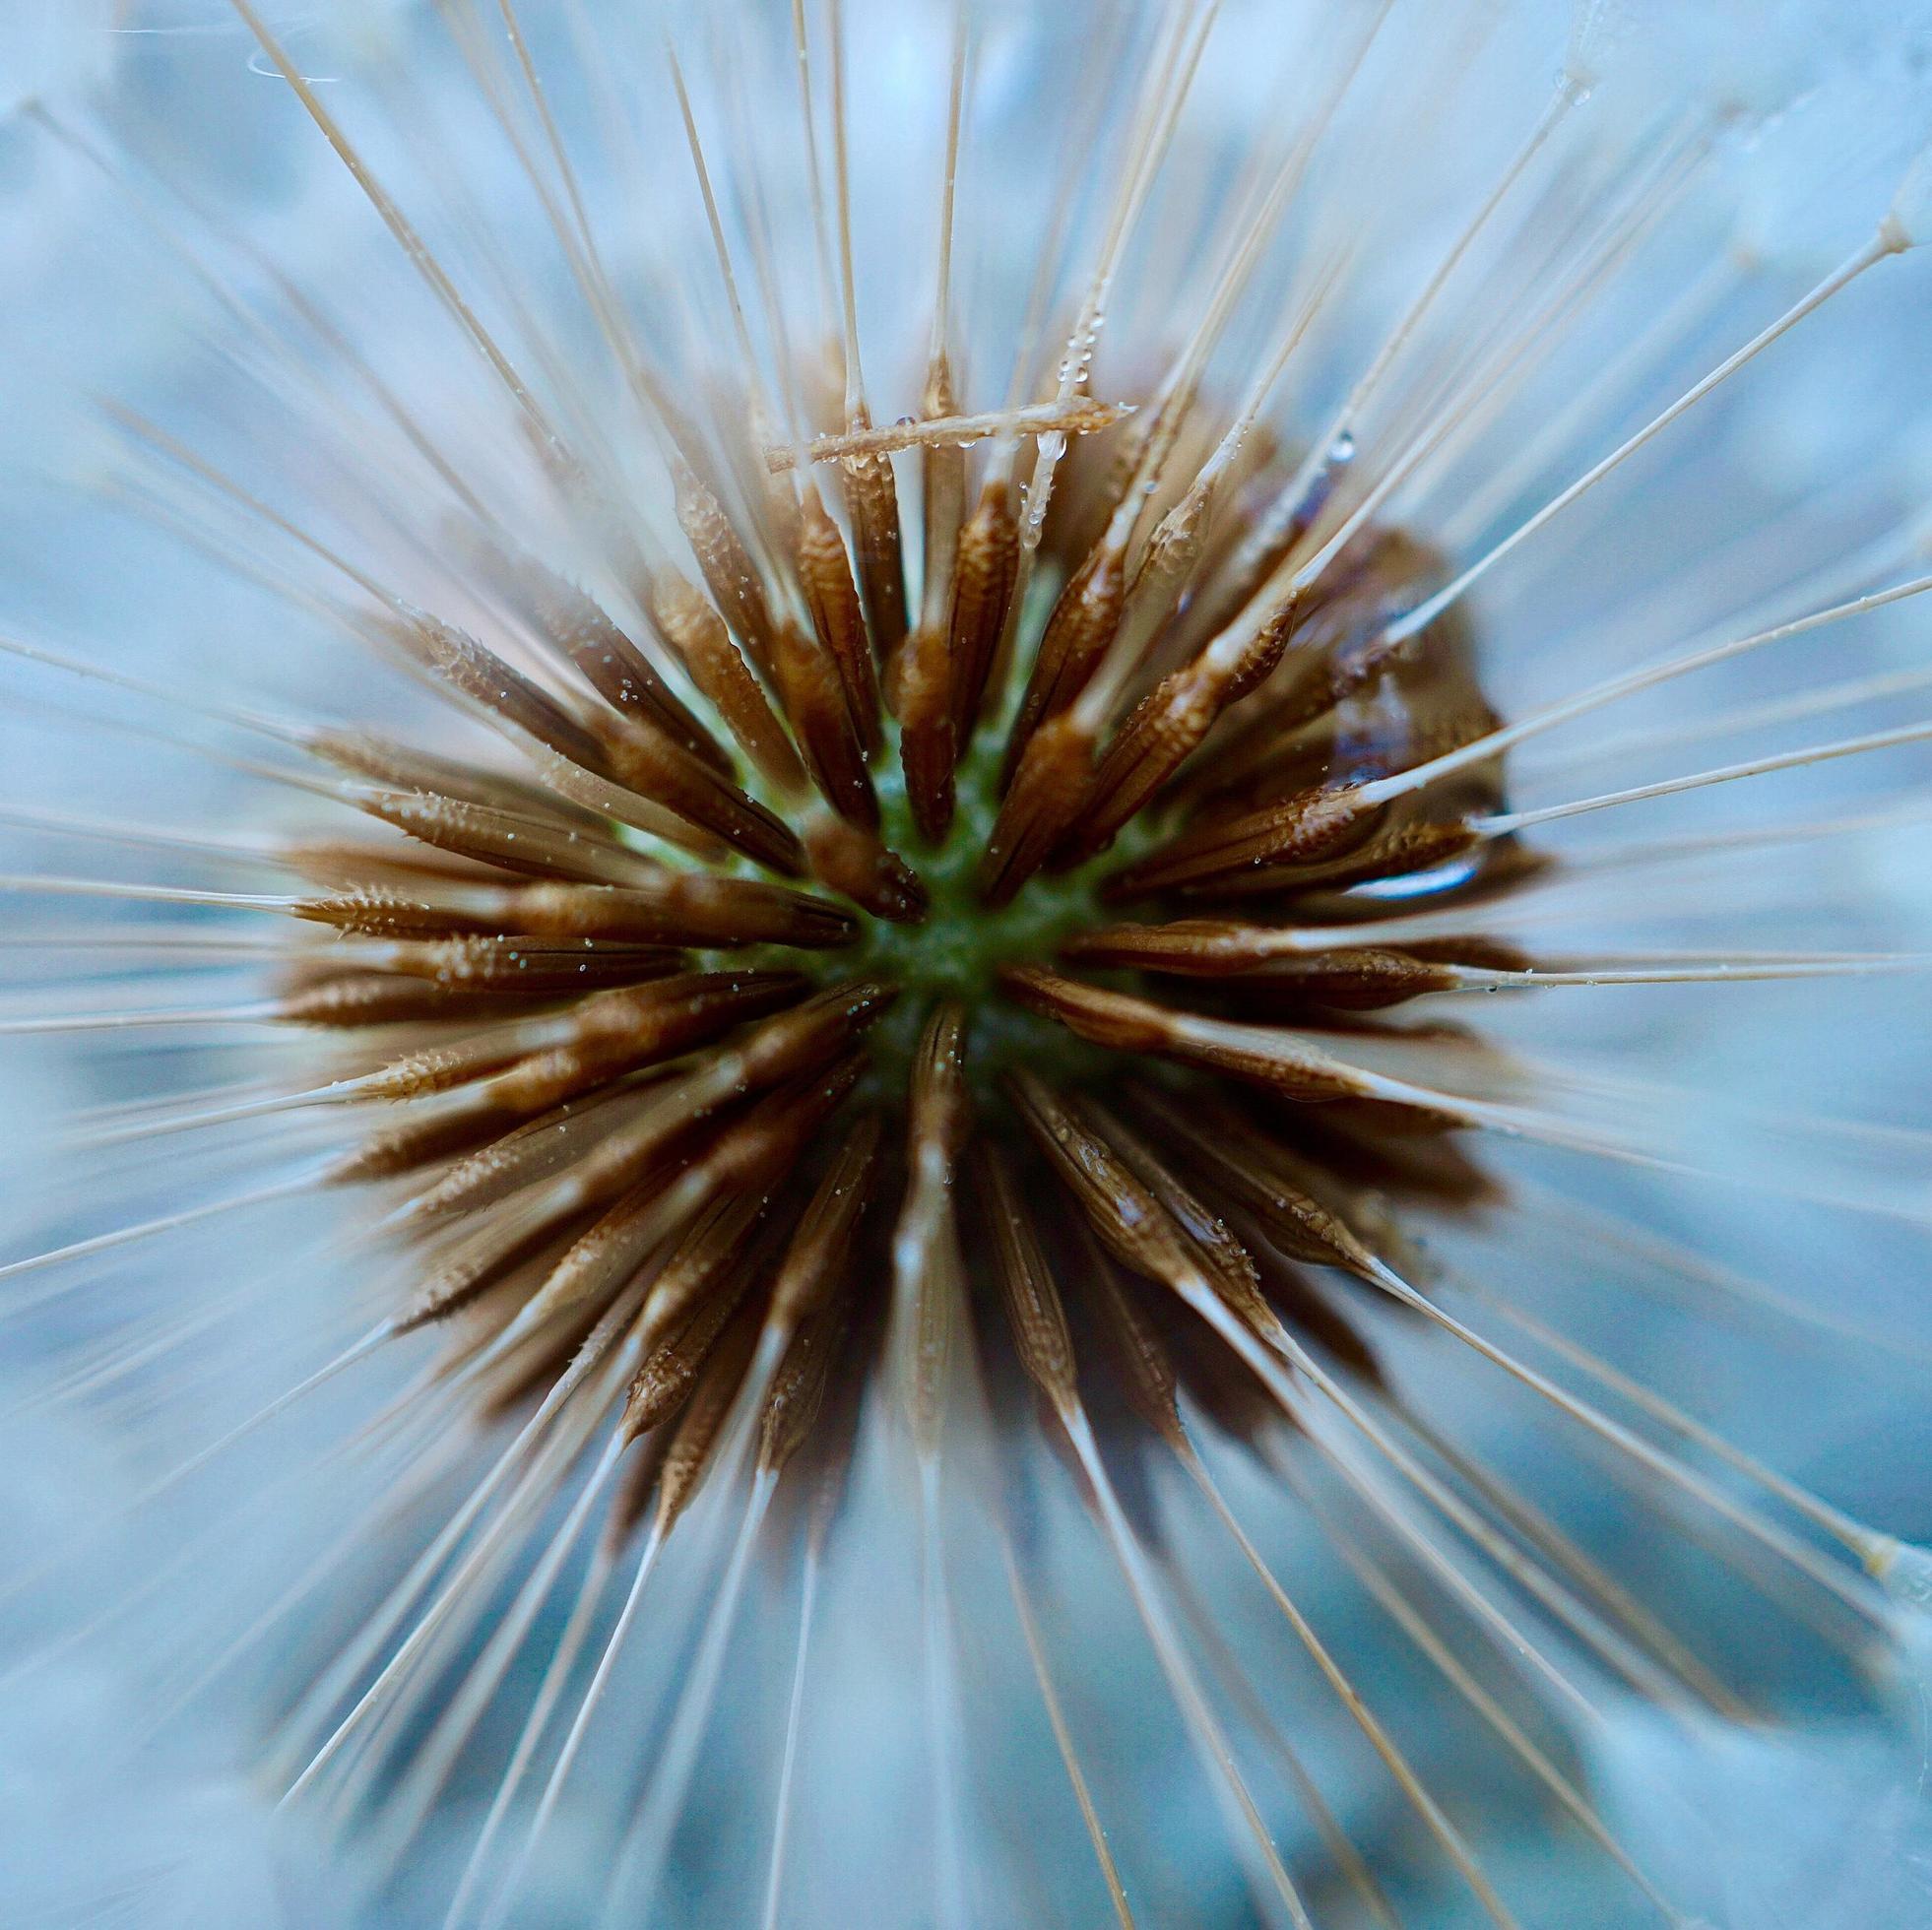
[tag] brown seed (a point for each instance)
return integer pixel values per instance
(1075, 638)
(724, 565)
(1043, 800)
(443, 1066)
(726, 1236)
(1146, 1366)
(1166, 728)
(984, 574)
(524, 966)
(472, 1265)
(616, 1033)
(1285, 1061)
(1262, 1179)
(1127, 1218)
(645, 760)
(832, 596)
(688, 1458)
(1350, 978)
(670, 1368)
(1223, 1256)
(820, 1248)
(871, 496)
(1193, 947)
(1303, 830)
(814, 699)
(384, 998)
(797, 1390)
(537, 1150)
(401, 767)
(852, 861)
(508, 841)
(1026, 1284)
(927, 749)
(485, 680)
(583, 633)
(703, 643)
(682, 908)
(927, 1274)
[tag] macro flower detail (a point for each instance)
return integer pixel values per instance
(868, 1110)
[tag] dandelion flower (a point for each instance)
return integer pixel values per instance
(967, 963)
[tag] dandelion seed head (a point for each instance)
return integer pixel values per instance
(902, 891)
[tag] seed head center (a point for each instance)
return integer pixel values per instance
(957, 951)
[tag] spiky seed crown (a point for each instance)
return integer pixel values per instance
(939, 948)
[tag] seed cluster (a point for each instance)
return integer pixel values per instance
(886, 975)
(990, 899)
